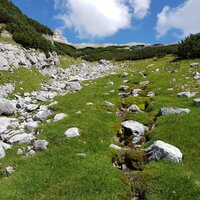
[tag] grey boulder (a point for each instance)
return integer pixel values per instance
(160, 150)
(6, 107)
(23, 138)
(171, 111)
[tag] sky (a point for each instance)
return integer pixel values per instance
(117, 21)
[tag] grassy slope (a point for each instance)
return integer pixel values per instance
(59, 174)
(25, 80)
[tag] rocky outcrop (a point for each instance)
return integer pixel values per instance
(16, 56)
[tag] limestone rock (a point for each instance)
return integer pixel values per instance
(116, 147)
(6, 107)
(171, 111)
(73, 86)
(23, 138)
(134, 128)
(60, 116)
(10, 170)
(194, 64)
(151, 94)
(160, 150)
(40, 144)
(109, 104)
(134, 108)
(197, 102)
(185, 94)
(42, 115)
(72, 132)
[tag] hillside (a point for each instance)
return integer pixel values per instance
(78, 127)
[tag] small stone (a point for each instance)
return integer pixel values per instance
(40, 144)
(20, 152)
(31, 153)
(60, 116)
(81, 154)
(89, 104)
(72, 132)
(151, 94)
(124, 88)
(124, 75)
(10, 170)
(116, 147)
(144, 83)
(107, 103)
(196, 102)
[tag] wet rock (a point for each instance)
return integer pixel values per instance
(160, 150)
(171, 111)
(72, 132)
(40, 144)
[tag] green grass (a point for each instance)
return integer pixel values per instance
(25, 80)
(59, 173)
(66, 61)
(8, 40)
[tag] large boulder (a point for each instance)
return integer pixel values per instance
(6, 107)
(171, 111)
(160, 150)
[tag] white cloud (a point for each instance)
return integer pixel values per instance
(141, 7)
(185, 18)
(99, 18)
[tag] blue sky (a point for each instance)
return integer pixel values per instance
(117, 21)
